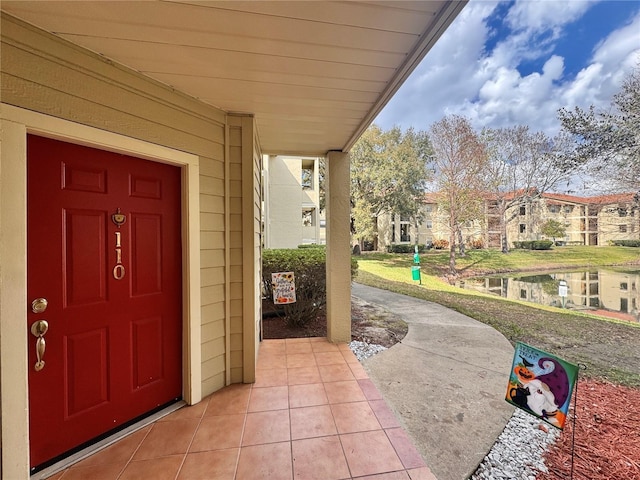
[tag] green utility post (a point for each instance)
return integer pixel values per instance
(415, 270)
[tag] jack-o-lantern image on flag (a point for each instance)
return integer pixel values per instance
(541, 384)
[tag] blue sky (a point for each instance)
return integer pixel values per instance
(517, 62)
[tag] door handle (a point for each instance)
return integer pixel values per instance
(38, 329)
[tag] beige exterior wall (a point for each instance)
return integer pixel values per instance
(585, 224)
(286, 199)
(52, 87)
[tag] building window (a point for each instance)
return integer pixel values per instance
(404, 232)
(594, 302)
(523, 228)
(624, 285)
(624, 305)
(523, 209)
(622, 228)
(622, 212)
(307, 218)
(428, 208)
(307, 179)
(553, 208)
(323, 224)
(523, 294)
(429, 224)
(568, 208)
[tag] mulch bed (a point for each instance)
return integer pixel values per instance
(607, 436)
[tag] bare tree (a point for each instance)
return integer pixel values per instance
(607, 142)
(459, 159)
(522, 166)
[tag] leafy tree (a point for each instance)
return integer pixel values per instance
(459, 159)
(553, 228)
(522, 166)
(607, 143)
(388, 175)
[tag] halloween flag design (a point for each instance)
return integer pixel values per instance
(541, 384)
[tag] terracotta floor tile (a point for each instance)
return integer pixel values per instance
(56, 476)
(384, 414)
(421, 474)
(302, 375)
(216, 465)
(369, 389)
(167, 438)
(319, 459)
(260, 462)
(188, 411)
(273, 346)
(324, 347)
(343, 392)
(229, 400)
(358, 371)
(164, 468)
(218, 432)
(403, 475)
(369, 453)
(301, 360)
(272, 360)
(269, 398)
(117, 454)
(307, 395)
(349, 357)
(308, 422)
(329, 358)
(293, 348)
(318, 339)
(354, 417)
(405, 449)
(266, 427)
(289, 341)
(335, 373)
(94, 472)
(271, 377)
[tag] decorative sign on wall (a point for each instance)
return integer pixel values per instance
(541, 384)
(284, 288)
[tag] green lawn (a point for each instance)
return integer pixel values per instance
(609, 349)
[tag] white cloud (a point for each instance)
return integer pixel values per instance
(460, 76)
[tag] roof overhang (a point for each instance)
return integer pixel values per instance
(314, 74)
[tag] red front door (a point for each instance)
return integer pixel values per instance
(104, 250)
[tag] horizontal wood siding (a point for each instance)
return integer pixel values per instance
(43, 73)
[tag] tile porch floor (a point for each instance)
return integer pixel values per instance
(312, 414)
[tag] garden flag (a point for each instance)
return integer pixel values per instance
(284, 288)
(541, 384)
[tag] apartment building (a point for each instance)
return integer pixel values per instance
(292, 213)
(595, 220)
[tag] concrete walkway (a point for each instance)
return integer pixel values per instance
(445, 381)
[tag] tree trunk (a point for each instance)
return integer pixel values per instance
(452, 253)
(503, 230)
(461, 246)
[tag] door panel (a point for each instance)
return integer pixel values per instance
(114, 290)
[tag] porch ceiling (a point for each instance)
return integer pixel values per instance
(315, 74)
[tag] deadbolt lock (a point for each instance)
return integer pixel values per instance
(39, 305)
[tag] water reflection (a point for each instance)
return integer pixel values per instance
(612, 292)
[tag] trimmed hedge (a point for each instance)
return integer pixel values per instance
(405, 248)
(626, 243)
(309, 268)
(534, 244)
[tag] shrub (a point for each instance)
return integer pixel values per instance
(440, 244)
(309, 268)
(404, 248)
(626, 243)
(311, 245)
(533, 244)
(476, 243)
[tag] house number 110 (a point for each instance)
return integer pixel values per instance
(118, 270)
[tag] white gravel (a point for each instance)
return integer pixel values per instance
(516, 454)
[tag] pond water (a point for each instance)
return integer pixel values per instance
(611, 292)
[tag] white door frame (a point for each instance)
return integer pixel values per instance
(15, 124)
